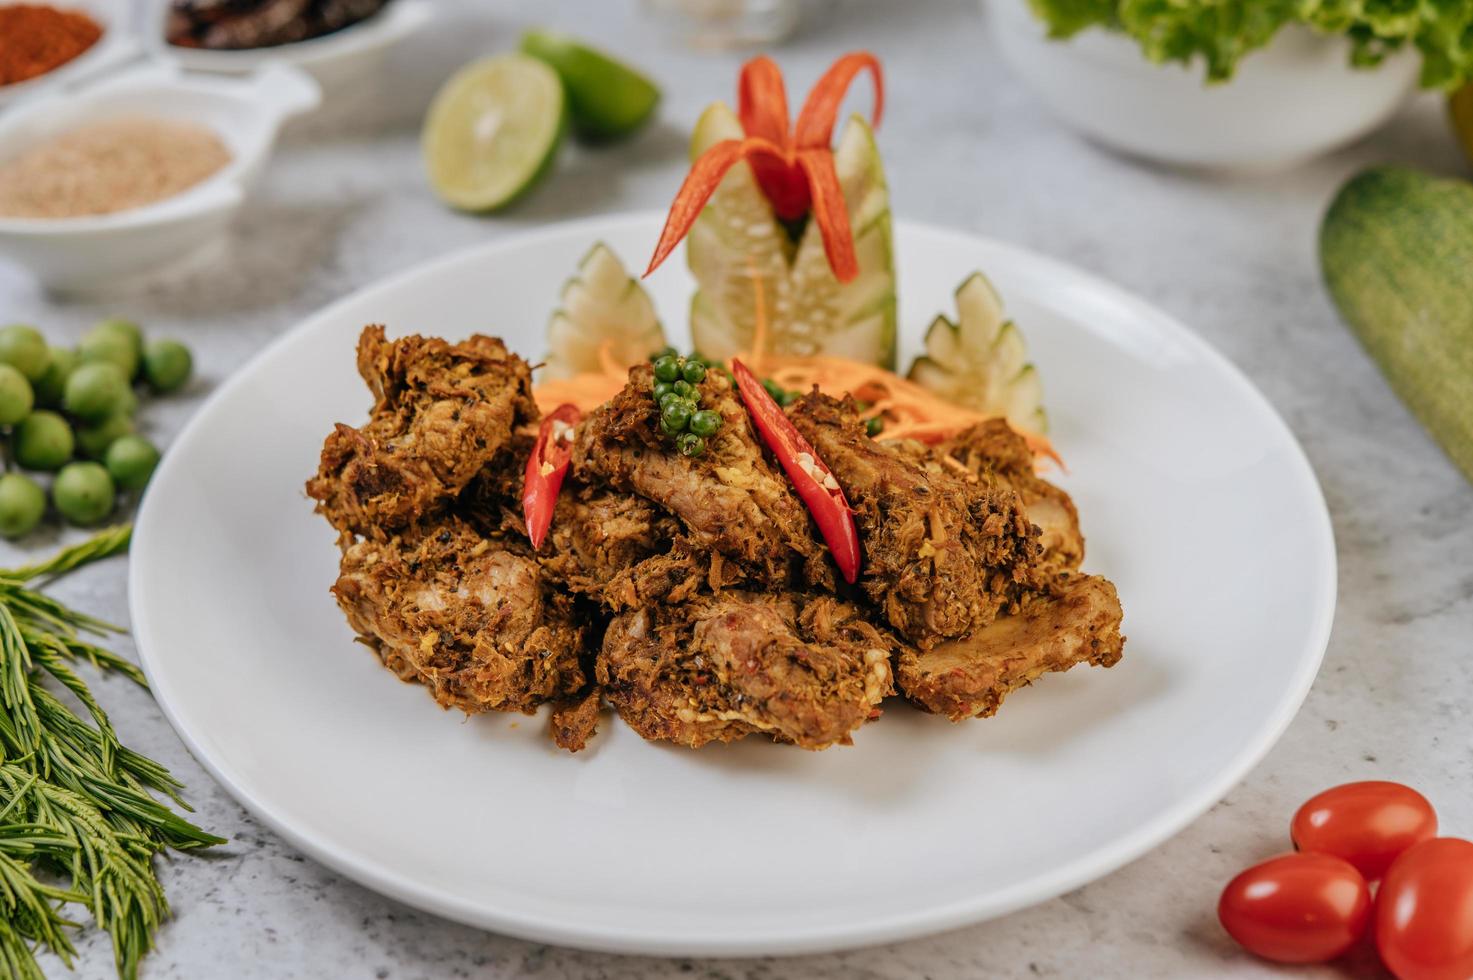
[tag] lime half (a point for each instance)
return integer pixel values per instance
(493, 131)
(607, 98)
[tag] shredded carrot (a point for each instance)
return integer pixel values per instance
(587, 391)
(909, 410)
(759, 319)
(606, 362)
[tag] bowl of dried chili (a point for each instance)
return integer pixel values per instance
(44, 46)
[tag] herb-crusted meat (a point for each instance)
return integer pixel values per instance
(463, 609)
(598, 536)
(692, 594)
(575, 719)
(1078, 622)
(441, 412)
(731, 501)
(801, 669)
(942, 556)
(619, 549)
(475, 622)
(1001, 458)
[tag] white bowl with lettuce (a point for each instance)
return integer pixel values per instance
(1178, 84)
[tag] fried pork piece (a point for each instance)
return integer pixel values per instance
(598, 535)
(1078, 623)
(471, 619)
(730, 500)
(1000, 457)
(806, 670)
(617, 548)
(942, 555)
(441, 412)
(575, 719)
(599, 541)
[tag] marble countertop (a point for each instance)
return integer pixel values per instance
(345, 204)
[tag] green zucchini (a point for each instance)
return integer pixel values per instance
(1396, 247)
(1460, 112)
(605, 316)
(981, 360)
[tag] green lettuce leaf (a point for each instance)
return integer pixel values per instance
(1219, 33)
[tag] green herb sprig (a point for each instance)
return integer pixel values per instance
(75, 803)
(681, 416)
(1222, 32)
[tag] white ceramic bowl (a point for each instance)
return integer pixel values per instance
(116, 46)
(1289, 102)
(86, 254)
(337, 60)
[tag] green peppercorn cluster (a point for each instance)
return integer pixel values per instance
(681, 416)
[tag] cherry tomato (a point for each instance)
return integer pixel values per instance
(1424, 912)
(1367, 824)
(1297, 908)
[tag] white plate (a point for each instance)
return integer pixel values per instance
(1196, 501)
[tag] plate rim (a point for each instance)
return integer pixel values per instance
(871, 931)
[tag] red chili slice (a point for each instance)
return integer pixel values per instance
(812, 478)
(546, 467)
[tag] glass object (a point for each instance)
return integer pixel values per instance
(723, 24)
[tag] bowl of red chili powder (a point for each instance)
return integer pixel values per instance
(44, 46)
